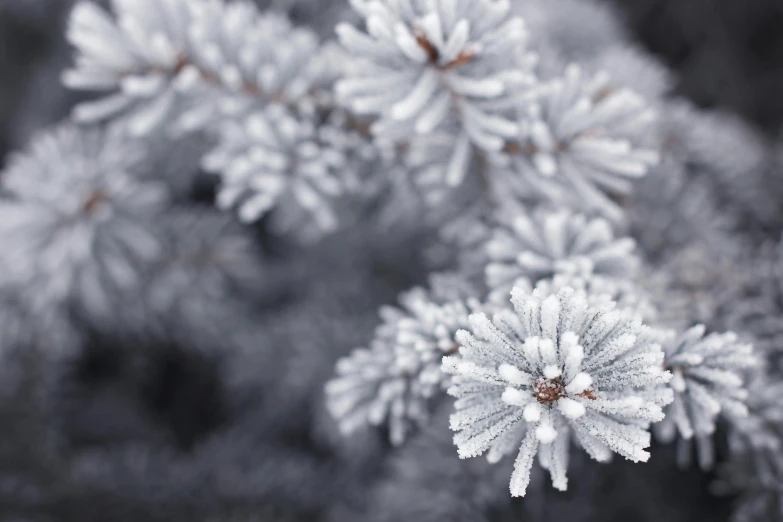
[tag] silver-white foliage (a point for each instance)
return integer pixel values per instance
(76, 220)
(456, 67)
(583, 140)
(546, 242)
(627, 294)
(186, 62)
(557, 368)
(707, 382)
(277, 159)
(395, 380)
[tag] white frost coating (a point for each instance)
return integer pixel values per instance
(76, 222)
(708, 382)
(626, 293)
(395, 380)
(426, 67)
(552, 242)
(583, 139)
(186, 62)
(595, 372)
(277, 160)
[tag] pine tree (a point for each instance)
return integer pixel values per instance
(499, 202)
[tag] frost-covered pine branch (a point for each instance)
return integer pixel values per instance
(297, 166)
(208, 267)
(760, 431)
(707, 382)
(557, 368)
(697, 282)
(582, 139)
(522, 142)
(626, 294)
(186, 63)
(672, 210)
(250, 78)
(458, 67)
(397, 378)
(757, 487)
(546, 242)
(755, 309)
(77, 220)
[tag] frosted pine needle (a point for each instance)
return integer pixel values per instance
(194, 59)
(276, 159)
(547, 242)
(707, 382)
(584, 139)
(76, 220)
(557, 368)
(625, 293)
(397, 378)
(423, 67)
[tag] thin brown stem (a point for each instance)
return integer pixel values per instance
(93, 202)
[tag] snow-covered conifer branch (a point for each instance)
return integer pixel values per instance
(273, 159)
(458, 67)
(755, 472)
(250, 78)
(397, 378)
(556, 368)
(516, 131)
(707, 382)
(207, 263)
(583, 139)
(761, 430)
(77, 221)
(186, 63)
(545, 242)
